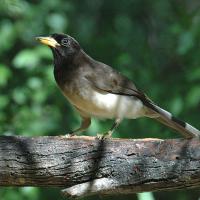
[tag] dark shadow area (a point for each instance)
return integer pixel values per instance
(95, 154)
(23, 152)
(96, 161)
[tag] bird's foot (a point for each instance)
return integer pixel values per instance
(104, 136)
(70, 134)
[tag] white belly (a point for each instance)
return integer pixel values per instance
(118, 105)
(107, 105)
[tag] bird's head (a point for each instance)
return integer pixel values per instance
(61, 44)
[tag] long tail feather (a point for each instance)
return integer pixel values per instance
(169, 120)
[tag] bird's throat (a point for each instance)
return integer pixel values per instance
(62, 67)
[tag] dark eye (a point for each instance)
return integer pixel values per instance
(64, 41)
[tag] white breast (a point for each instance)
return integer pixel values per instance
(112, 105)
(107, 105)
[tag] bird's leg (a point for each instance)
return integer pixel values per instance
(86, 121)
(114, 126)
(108, 134)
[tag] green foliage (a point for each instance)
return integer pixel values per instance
(145, 196)
(156, 44)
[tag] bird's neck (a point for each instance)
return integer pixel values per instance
(69, 61)
(60, 62)
(64, 66)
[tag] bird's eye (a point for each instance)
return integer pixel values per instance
(64, 41)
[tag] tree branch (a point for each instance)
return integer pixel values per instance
(87, 166)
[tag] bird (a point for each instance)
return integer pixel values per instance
(98, 90)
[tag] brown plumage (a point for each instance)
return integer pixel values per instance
(96, 89)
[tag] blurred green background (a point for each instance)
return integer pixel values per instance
(154, 43)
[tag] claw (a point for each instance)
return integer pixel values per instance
(108, 134)
(103, 136)
(70, 134)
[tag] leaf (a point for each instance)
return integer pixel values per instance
(57, 22)
(26, 59)
(176, 105)
(3, 101)
(5, 74)
(19, 95)
(145, 196)
(186, 42)
(193, 97)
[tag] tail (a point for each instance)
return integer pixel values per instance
(169, 120)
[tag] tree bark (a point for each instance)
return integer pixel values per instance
(86, 166)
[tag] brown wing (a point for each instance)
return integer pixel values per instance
(107, 79)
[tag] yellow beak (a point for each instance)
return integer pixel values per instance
(48, 41)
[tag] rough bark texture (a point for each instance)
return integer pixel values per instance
(87, 166)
